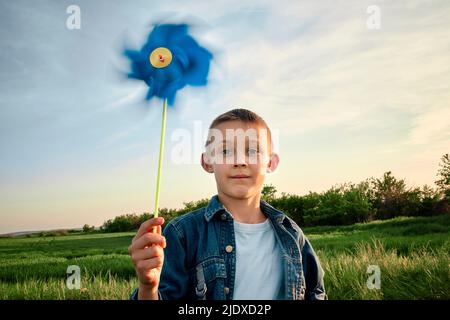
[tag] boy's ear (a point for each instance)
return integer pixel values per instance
(206, 166)
(273, 162)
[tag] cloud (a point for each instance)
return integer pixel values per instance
(130, 97)
(339, 73)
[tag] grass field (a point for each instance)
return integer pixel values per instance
(412, 255)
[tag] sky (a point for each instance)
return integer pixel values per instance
(349, 93)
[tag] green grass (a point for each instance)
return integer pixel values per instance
(47, 258)
(403, 234)
(412, 254)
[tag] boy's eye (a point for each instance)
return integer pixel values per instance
(227, 152)
(252, 152)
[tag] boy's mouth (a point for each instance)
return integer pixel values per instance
(240, 176)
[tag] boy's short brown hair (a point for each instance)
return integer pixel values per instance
(243, 115)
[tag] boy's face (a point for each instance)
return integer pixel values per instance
(239, 155)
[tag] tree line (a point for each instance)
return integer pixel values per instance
(373, 199)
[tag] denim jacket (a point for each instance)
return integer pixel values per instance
(200, 260)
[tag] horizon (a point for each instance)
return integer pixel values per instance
(178, 208)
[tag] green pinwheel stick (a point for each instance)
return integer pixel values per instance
(160, 159)
(167, 62)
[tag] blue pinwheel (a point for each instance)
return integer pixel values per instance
(168, 61)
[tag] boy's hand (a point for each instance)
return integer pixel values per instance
(146, 251)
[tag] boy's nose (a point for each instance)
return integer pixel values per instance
(240, 161)
(240, 164)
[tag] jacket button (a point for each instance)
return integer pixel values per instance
(302, 293)
(226, 290)
(223, 216)
(229, 249)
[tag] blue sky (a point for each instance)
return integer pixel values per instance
(79, 145)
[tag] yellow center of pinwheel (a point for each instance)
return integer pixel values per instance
(160, 57)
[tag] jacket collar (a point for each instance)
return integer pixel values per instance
(215, 206)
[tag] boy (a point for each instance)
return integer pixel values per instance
(237, 247)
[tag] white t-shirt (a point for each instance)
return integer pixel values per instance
(259, 268)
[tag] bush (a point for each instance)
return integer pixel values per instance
(122, 223)
(88, 228)
(55, 233)
(341, 205)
